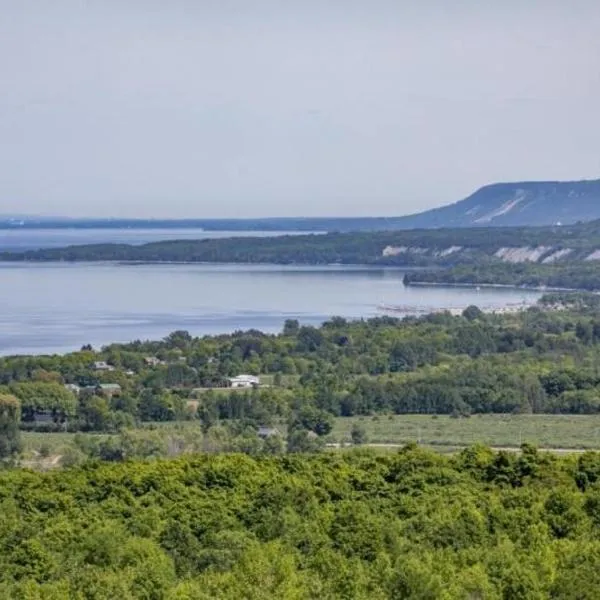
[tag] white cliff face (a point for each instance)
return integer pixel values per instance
(449, 251)
(522, 255)
(394, 250)
(594, 255)
(398, 250)
(504, 209)
(556, 256)
(545, 255)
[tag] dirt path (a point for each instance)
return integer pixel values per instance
(458, 447)
(42, 464)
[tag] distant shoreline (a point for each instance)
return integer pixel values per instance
(508, 286)
(349, 266)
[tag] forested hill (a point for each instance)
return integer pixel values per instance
(517, 204)
(443, 247)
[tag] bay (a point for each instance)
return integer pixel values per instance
(58, 307)
(18, 240)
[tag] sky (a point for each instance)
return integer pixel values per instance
(242, 108)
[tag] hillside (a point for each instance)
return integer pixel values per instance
(517, 204)
(417, 248)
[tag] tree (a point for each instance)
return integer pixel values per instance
(584, 332)
(10, 415)
(207, 412)
(39, 396)
(310, 338)
(472, 313)
(313, 419)
(155, 405)
(402, 357)
(301, 440)
(358, 434)
(273, 445)
(95, 411)
(178, 339)
(291, 327)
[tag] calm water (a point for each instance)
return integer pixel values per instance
(47, 308)
(33, 239)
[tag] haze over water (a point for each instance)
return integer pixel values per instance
(17, 240)
(58, 307)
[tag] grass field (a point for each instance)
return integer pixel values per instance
(545, 431)
(49, 443)
(441, 432)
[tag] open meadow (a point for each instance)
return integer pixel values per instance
(440, 432)
(544, 431)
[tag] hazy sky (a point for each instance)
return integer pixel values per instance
(200, 108)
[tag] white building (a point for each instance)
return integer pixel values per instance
(153, 361)
(244, 381)
(103, 366)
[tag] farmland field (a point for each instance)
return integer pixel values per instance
(547, 431)
(439, 432)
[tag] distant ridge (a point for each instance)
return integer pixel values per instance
(530, 203)
(521, 204)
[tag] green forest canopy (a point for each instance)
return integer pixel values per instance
(351, 526)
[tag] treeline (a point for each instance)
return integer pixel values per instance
(471, 246)
(571, 275)
(302, 249)
(356, 525)
(486, 386)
